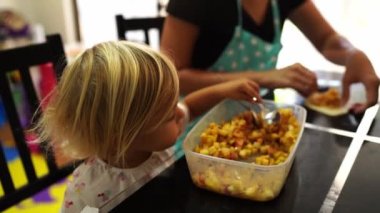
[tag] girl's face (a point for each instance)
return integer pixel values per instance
(165, 135)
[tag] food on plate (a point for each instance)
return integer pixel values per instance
(328, 102)
(240, 140)
(330, 98)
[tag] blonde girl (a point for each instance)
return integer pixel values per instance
(116, 107)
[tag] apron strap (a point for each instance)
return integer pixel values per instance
(276, 20)
(240, 13)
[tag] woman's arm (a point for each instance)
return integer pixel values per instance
(338, 50)
(178, 41)
(320, 33)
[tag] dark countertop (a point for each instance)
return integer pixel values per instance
(375, 127)
(317, 160)
(348, 122)
(361, 192)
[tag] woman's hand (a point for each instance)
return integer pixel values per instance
(360, 70)
(295, 76)
(242, 89)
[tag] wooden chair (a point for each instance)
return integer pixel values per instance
(22, 59)
(145, 24)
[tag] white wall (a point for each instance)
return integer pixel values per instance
(354, 19)
(97, 17)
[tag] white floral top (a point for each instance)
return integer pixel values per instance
(102, 187)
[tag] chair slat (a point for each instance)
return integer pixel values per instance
(25, 57)
(25, 191)
(22, 59)
(5, 176)
(17, 130)
(52, 51)
(34, 104)
(123, 25)
(29, 89)
(58, 54)
(49, 156)
(146, 34)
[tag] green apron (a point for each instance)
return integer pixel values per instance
(245, 52)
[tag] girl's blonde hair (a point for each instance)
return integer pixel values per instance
(107, 96)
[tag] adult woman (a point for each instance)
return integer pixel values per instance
(241, 38)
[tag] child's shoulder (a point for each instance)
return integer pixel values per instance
(97, 184)
(94, 183)
(94, 170)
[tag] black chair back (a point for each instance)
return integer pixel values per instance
(145, 24)
(22, 59)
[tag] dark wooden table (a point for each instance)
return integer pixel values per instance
(308, 182)
(317, 163)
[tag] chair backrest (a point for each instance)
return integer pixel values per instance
(145, 24)
(22, 59)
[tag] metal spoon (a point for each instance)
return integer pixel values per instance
(264, 116)
(272, 117)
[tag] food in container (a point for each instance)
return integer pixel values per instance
(238, 176)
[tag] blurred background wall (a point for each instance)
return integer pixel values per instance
(91, 21)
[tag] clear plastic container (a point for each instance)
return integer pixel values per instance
(237, 178)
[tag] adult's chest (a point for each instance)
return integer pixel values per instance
(256, 10)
